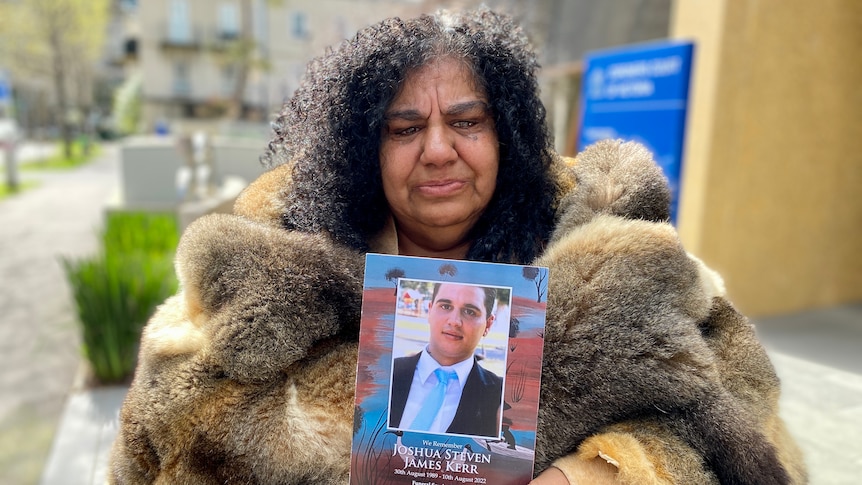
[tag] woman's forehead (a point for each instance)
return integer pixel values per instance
(449, 79)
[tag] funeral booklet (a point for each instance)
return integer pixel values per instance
(449, 369)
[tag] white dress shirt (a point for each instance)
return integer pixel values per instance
(424, 380)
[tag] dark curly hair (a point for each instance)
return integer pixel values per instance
(330, 130)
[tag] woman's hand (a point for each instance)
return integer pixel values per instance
(551, 476)
(594, 471)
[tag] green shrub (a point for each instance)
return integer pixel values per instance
(141, 231)
(117, 290)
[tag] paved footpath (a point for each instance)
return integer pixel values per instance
(39, 342)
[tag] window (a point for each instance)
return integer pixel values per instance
(130, 47)
(298, 27)
(228, 20)
(179, 23)
(182, 85)
(228, 80)
(128, 6)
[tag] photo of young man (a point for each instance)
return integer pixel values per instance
(444, 388)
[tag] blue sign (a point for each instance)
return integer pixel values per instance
(640, 93)
(5, 90)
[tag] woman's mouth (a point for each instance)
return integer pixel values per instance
(441, 188)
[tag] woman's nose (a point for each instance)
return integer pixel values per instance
(439, 147)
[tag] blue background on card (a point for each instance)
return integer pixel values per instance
(468, 272)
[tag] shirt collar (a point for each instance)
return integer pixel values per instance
(427, 365)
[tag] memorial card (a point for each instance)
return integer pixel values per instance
(449, 369)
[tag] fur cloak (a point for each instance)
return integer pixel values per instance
(247, 375)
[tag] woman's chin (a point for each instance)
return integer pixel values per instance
(449, 216)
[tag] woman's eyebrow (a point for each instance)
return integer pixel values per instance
(403, 114)
(467, 106)
(456, 109)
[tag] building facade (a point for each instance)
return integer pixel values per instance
(197, 57)
(771, 169)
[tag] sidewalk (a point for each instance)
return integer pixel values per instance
(83, 442)
(821, 403)
(39, 343)
(818, 356)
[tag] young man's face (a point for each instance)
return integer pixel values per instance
(457, 320)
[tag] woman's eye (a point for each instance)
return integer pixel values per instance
(464, 124)
(405, 131)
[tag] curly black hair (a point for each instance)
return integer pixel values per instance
(330, 130)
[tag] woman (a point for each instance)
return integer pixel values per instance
(345, 130)
(424, 137)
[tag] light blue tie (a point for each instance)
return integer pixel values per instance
(434, 401)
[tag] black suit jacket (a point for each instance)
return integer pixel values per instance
(478, 410)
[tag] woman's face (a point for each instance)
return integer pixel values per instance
(439, 152)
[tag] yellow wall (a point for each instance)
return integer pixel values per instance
(772, 183)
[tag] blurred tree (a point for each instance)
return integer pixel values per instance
(243, 53)
(60, 40)
(127, 105)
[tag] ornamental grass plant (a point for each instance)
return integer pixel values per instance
(118, 289)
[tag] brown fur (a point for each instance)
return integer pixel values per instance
(247, 375)
(628, 325)
(263, 201)
(614, 178)
(256, 354)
